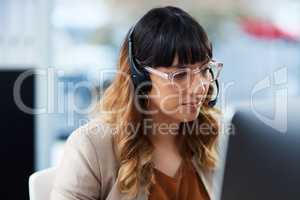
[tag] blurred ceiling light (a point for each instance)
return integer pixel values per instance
(80, 14)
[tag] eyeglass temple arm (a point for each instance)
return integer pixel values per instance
(161, 74)
(150, 69)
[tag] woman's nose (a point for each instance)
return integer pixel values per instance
(197, 84)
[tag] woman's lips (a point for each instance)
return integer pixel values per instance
(192, 104)
(196, 102)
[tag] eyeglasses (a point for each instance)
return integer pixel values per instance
(208, 73)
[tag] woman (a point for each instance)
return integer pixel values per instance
(156, 135)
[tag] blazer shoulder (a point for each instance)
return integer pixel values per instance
(100, 135)
(96, 130)
(96, 138)
(80, 171)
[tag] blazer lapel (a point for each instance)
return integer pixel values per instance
(205, 177)
(142, 195)
(116, 195)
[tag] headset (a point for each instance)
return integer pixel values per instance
(138, 76)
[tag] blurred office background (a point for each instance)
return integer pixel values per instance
(68, 42)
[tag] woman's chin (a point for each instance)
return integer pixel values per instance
(188, 113)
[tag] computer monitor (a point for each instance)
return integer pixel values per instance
(17, 134)
(262, 162)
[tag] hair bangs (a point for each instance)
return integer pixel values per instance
(190, 46)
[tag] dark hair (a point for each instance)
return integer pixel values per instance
(164, 32)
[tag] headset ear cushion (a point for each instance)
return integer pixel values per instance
(213, 102)
(145, 80)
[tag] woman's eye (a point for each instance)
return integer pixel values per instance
(180, 75)
(205, 70)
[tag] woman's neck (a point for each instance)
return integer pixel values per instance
(163, 131)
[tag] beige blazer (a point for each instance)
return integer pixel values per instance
(88, 167)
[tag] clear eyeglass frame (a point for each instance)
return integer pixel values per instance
(209, 72)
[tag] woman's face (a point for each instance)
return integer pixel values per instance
(178, 102)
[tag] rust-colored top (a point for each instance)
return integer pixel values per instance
(186, 182)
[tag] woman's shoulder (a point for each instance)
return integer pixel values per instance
(95, 137)
(99, 133)
(95, 140)
(88, 158)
